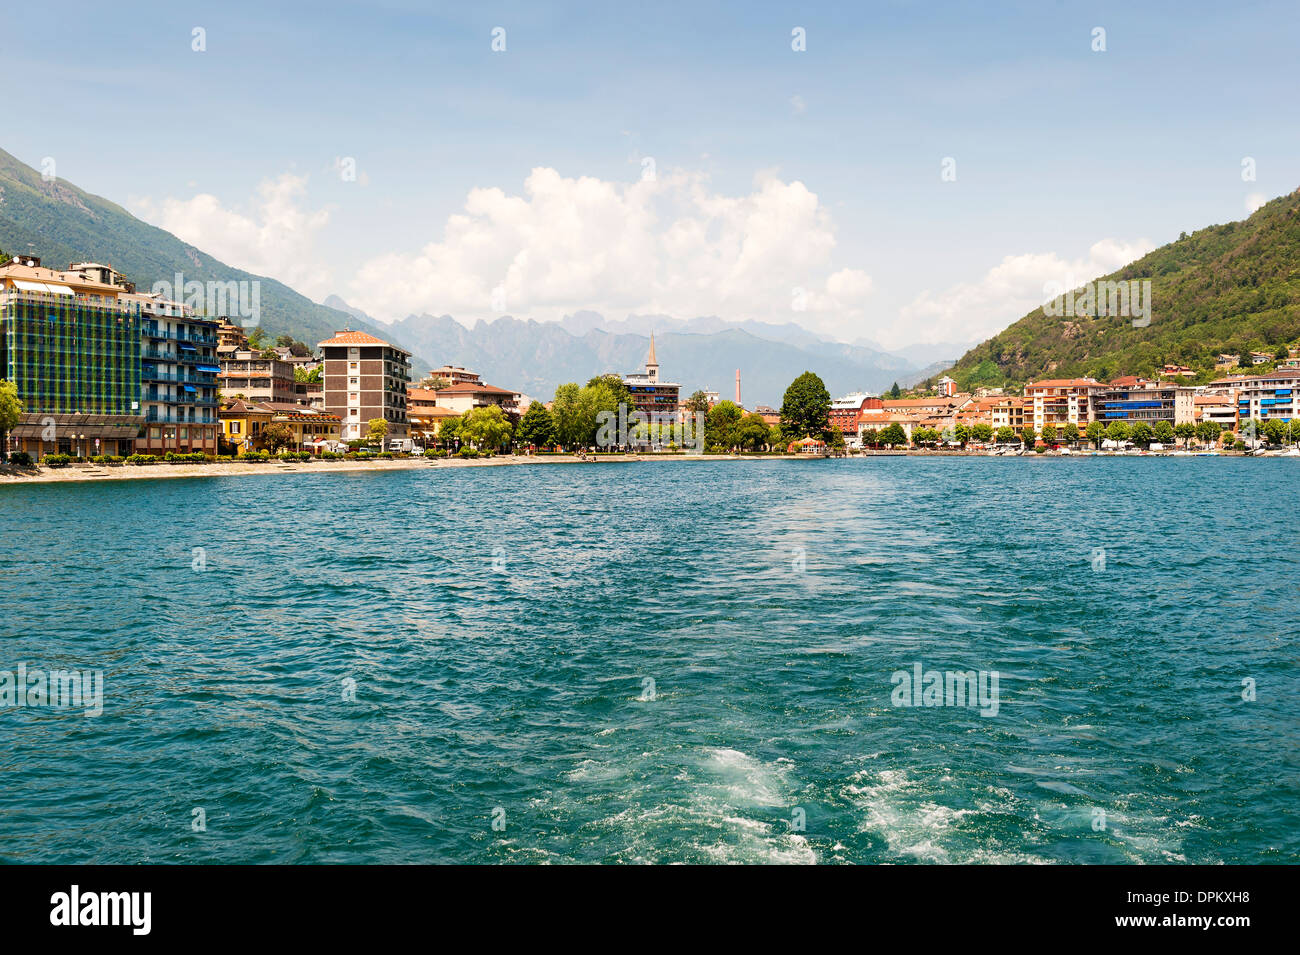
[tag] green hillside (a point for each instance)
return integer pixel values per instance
(1230, 288)
(63, 224)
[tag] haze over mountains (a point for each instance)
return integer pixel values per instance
(535, 357)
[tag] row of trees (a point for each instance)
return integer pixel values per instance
(1140, 434)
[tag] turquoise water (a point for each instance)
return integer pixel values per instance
(501, 626)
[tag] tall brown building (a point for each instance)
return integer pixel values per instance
(365, 378)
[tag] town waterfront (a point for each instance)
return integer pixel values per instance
(649, 664)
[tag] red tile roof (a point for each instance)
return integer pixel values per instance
(469, 388)
(358, 338)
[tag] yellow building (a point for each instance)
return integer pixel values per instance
(243, 425)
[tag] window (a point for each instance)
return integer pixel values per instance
(234, 427)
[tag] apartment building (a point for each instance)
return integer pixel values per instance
(178, 378)
(1059, 401)
(71, 346)
(1132, 400)
(248, 374)
(465, 397)
(452, 374)
(1264, 397)
(1010, 412)
(1219, 408)
(366, 378)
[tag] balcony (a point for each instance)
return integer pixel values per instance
(154, 417)
(152, 331)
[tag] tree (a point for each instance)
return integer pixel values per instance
(1049, 434)
(1071, 433)
(1006, 434)
(576, 410)
(1096, 433)
(1117, 431)
(775, 439)
(1028, 435)
(378, 430)
(870, 438)
(752, 432)
(566, 415)
(1185, 430)
(961, 434)
(11, 409)
(837, 440)
(615, 384)
(720, 425)
(806, 408)
(1274, 431)
(1141, 434)
(449, 431)
(301, 374)
(895, 392)
(697, 403)
(1208, 431)
(893, 436)
(1164, 432)
(983, 433)
(536, 427)
(486, 428)
(277, 435)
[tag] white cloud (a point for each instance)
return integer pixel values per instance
(1254, 201)
(667, 246)
(1007, 292)
(275, 237)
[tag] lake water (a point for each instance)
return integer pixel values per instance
(661, 662)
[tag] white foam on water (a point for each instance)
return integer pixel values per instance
(903, 812)
(746, 780)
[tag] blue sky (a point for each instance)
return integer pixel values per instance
(1067, 159)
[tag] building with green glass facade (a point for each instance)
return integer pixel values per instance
(72, 349)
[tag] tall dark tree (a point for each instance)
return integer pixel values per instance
(720, 425)
(806, 408)
(698, 403)
(536, 427)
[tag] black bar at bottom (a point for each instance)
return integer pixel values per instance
(335, 904)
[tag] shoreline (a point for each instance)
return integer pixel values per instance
(128, 472)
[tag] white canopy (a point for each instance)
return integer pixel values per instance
(42, 287)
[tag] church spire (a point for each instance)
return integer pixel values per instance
(651, 359)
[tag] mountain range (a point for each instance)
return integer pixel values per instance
(704, 353)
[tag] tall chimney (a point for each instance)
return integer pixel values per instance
(737, 386)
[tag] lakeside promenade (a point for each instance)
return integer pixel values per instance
(122, 472)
